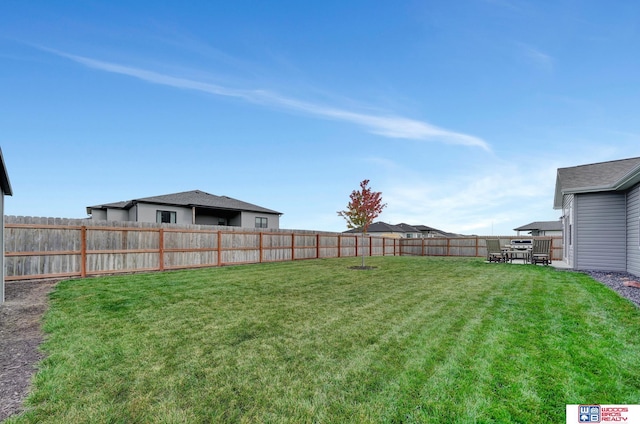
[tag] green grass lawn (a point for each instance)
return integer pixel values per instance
(433, 340)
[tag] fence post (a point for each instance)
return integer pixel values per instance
(293, 246)
(370, 246)
(219, 248)
(477, 247)
(161, 249)
(261, 247)
(339, 245)
(318, 246)
(83, 251)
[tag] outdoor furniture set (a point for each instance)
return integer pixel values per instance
(534, 251)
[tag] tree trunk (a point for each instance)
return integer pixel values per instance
(362, 249)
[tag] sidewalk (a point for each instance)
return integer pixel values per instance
(561, 265)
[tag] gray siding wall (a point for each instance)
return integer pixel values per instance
(117, 215)
(147, 213)
(249, 219)
(600, 230)
(99, 214)
(143, 212)
(633, 230)
(133, 214)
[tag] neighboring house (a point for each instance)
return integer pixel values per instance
(542, 228)
(402, 230)
(381, 229)
(410, 231)
(434, 232)
(600, 205)
(5, 186)
(189, 207)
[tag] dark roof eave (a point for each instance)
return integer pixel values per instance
(629, 180)
(265, 210)
(588, 189)
(4, 178)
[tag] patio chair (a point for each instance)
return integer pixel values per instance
(494, 251)
(541, 252)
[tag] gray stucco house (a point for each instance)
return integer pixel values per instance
(5, 186)
(542, 228)
(600, 205)
(381, 229)
(401, 231)
(189, 207)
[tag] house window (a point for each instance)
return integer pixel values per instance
(261, 222)
(222, 221)
(167, 217)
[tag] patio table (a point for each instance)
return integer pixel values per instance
(523, 253)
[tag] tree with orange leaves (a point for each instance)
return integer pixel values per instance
(365, 206)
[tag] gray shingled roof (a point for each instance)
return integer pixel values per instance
(192, 198)
(408, 228)
(542, 226)
(383, 227)
(602, 176)
(425, 228)
(379, 227)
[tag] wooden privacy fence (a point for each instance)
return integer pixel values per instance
(38, 248)
(467, 246)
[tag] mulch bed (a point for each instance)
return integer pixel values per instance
(20, 336)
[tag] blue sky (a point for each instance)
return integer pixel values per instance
(458, 112)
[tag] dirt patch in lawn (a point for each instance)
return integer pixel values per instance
(20, 336)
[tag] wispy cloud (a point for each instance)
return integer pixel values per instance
(537, 57)
(385, 125)
(474, 204)
(508, 4)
